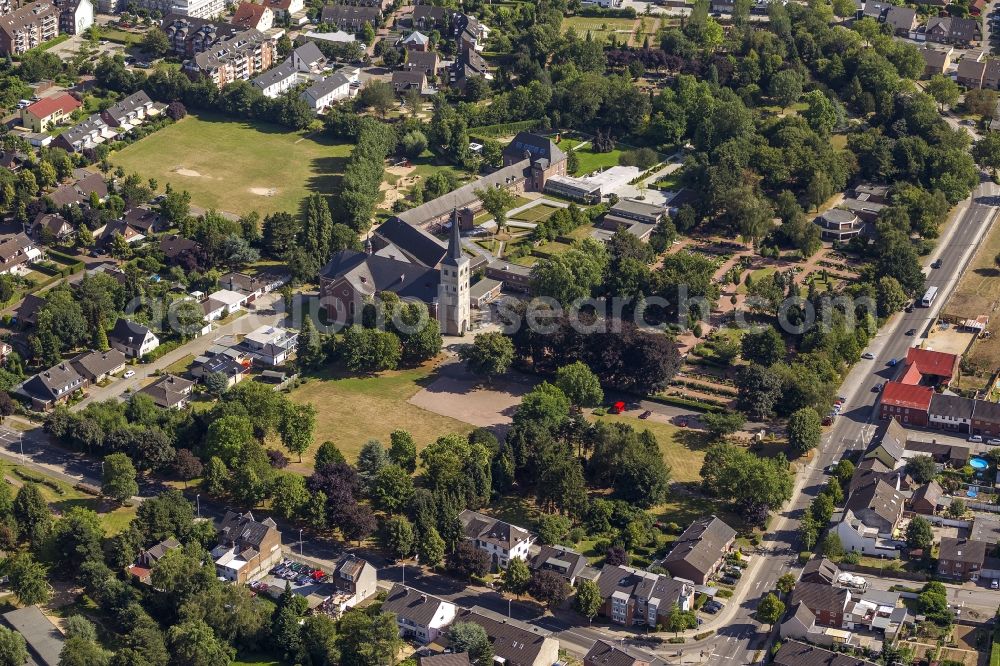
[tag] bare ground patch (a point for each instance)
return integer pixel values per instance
(461, 396)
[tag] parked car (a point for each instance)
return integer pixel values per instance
(129, 374)
(711, 610)
(976, 438)
(995, 584)
(827, 420)
(876, 388)
(646, 414)
(868, 355)
(993, 441)
(892, 362)
(911, 331)
(936, 264)
(728, 580)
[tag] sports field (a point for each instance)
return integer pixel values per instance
(237, 166)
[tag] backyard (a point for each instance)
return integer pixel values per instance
(237, 167)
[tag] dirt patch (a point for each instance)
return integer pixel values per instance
(264, 191)
(468, 399)
(393, 192)
(189, 173)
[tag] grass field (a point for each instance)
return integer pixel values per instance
(683, 449)
(600, 29)
(536, 213)
(352, 410)
(237, 166)
(591, 161)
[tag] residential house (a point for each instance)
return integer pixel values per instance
(403, 80)
(143, 219)
(233, 369)
(469, 65)
(269, 345)
(179, 250)
(81, 191)
(875, 10)
(934, 367)
(16, 252)
(429, 17)
(308, 58)
(961, 558)
(605, 653)
(130, 112)
(238, 58)
(513, 276)
(559, 559)
(902, 19)
(954, 455)
(75, 16)
(49, 111)
(49, 227)
(278, 80)
(355, 579)
(801, 624)
(907, 403)
(869, 520)
(420, 617)
(247, 549)
(970, 72)
(42, 638)
(501, 541)
(327, 91)
(839, 225)
(85, 135)
(251, 16)
(147, 559)
(870, 470)
(351, 18)
(132, 339)
(636, 597)
(949, 30)
(515, 643)
(253, 286)
(991, 77)
(26, 312)
(795, 653)
(284, 9)
(926, 499)
(169, 391)
(700, 550)
(950, 412)
(469, 32)
(96, 366)
(821, 571)
(223, 303)
(826, 602)
(52, 386)
(415, 41)
(422, 61)
(986, 419)
(27, 27)
(889, 447)
(936, 61)
(447, 659)
(189, 36)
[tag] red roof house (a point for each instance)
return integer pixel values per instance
(49, 111)
(906, 402)
(935, 367)
(910, 375)
(250, 16)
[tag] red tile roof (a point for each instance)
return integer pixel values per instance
(911, 375)
(64, 102)
(904, 395)
(248, 15)
(929, 362)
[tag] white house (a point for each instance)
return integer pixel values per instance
(420, 617)
(269, 345)
(501, 541)
(222, 303)
(327, 91)
(132, 339)
(869, 521)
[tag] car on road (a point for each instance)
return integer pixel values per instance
(876, 388)
(827, 420)
(908, 308)
(976, 438)
(995, 584)
(129, 374)
(892, 362)
(682, 421)
(993, 441)
(936, 264)
(911, 331)
(646, 414)
(868, 355)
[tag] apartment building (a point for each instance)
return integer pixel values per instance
(239, 58)
(27, 27)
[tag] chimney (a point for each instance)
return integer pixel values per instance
(423, 598)
(402, 276)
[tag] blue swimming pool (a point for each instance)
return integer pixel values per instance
(978, 463)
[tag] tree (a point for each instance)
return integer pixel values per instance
(549, 587)
(786, 583)
(831, 546)
(195, 644)
(588, 600)
(29, 579)
(497, 201)
(786, 87)
(804, 429)
(155, 43)
(397, 537)
(957, 508)
(986, 151)
(552, 528)
(377, 95)
(79, 651)
(944, 91)
(933, 602)
(721, 424)
(471, 638)
(413, 143)
(13, 649)
(403, 450)
(391, 488)
(186, 465)
(119, 478)
(763, 346)
(77, 536)
(919, 533)
(369, 350)
(296, 427)
(328, 454)
(489, 354)
(580, 384)
(430, 547)
(309, 352)
(468, 561)
(770, 609)
(890, 296)
(516, 577)
(371, 459)
(921, 468)
(31, 513)
(215, 383)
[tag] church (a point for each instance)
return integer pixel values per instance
(351, 278)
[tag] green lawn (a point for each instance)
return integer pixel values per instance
(758, 274)
(237, 166)
(600, 28)
(591, 161)
(352, 410)
(683, 449)
(536, 213)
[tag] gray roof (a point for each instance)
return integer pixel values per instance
(352, 14)
(453, 659)
(82, 129)
(951, 405)
(840, 216)
(794, 653)
(637, 208)
(243, 531)
(538, 147)
(986, 529)
(803, 615)
(934, 57)
(223, 51)
(464, 196)
(820, 597)
(168, 390)
(483, 287)
(412, 240)
(987, 411)
(125, 329)
(44, 384)
(820, 570)
(421, 59)
(702, 544)
(604, 653)
(901, 18)
(879, 497)
(485, 528)
(327, 85)
(372, 273)
(309, 53)
(276, 74)
(119, 110)
(639, 583)
(518, 643)
(44, 640)
(893, 439)
(962, 550)
(99, 363)
(930, 492)
(431, 13)
(412, 605)
(563, 561)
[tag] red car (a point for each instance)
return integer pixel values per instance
(618, 407)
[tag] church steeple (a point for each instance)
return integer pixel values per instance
(455, 239)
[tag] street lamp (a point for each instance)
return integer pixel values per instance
(20, 442)
(197, 499)
(300, 542)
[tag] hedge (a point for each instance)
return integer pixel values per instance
(678, 401)
(503, 129)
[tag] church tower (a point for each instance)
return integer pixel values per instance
(454, 300)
